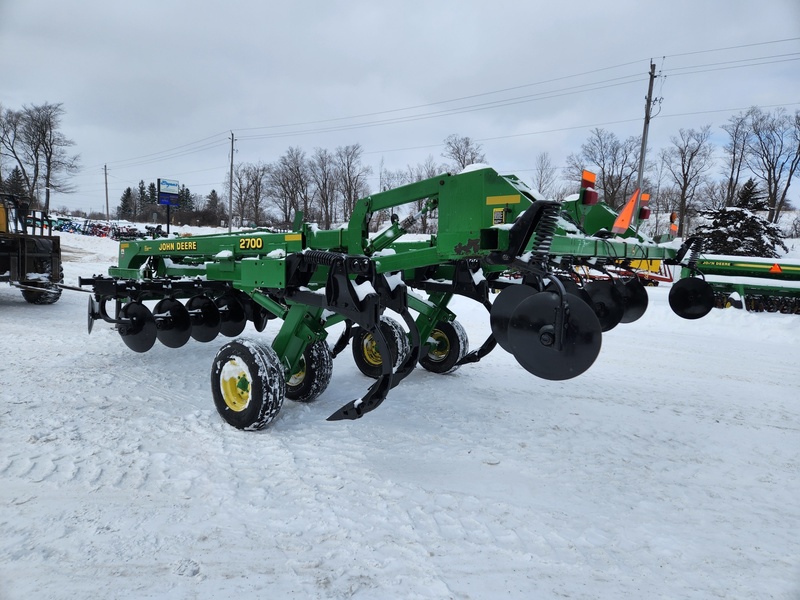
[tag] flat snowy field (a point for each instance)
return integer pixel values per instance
(670, 469)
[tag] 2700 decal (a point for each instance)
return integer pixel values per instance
(251, 243)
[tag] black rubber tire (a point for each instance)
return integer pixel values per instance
(314, 374)
(453, 345)
(50, 293)
(365, 353)
(247, 383)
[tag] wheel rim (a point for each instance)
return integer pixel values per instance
(235, 385)
(439, 352)
(298, 377)
(369, 348)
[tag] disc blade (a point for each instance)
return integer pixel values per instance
(503, 308)
(204, 314)
(173, 325)
(260, 318)
(634, 300)
(691, 298)
(231, 314)
(138, 329)
(606, 302)
(94, 312)
(531, 336)
(571, 287)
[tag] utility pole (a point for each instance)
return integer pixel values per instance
(648, 104)
(105, 172)
(230, 189)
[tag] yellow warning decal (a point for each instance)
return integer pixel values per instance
(293, 237)
(509, 199)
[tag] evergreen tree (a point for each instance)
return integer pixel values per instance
(739, 231)
(214, 211)
(152, 193)
(141, 200)
(126, 205)
(15, 185)
(751, 198)
(185, 199)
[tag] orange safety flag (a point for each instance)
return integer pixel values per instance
(626, 216)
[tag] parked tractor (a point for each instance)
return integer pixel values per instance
(522, 257)
(30, 256)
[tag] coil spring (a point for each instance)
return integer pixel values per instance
(546, 230)
(321, 257)
(695, 250)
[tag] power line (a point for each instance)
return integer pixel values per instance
(206, 143)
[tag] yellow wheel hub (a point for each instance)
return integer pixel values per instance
(234, 382)
(369, 347)
(442, 348)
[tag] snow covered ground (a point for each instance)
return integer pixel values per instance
(671, 469)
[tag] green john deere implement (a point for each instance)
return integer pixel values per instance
(756, 284)
(495, 236)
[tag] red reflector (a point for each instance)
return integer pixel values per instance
(590, 196)
(776, 268)
(644, 213)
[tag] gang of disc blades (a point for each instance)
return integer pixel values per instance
(138, 329)
(206, 322)
(531, 336)
(634, 300)
(606, 302)
(173, 325)
(503, 308)
(231, 314)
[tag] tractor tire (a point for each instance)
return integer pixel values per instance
(50, 293)
(247, 383)
(365, 350)
(313, 375)
(451, 345)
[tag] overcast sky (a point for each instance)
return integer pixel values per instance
(154, 89)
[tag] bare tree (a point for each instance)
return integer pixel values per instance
(388, 180)
(713, 195)
(545, 175)
(31, 138)
(687, 160)
(738, 129)
(57, 161)
(257, 191)
(241, 192)
(616, 163)
(324, 176)
(352, 177)
(463, 151)
(289, 183)
(424, 170)
(773, 153)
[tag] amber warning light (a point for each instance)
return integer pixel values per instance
(589, 195)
